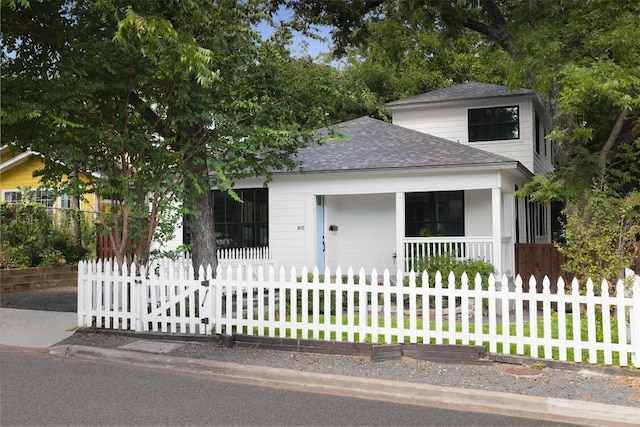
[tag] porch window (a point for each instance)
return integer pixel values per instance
(491, 124)
(431, 214)
(242, 225)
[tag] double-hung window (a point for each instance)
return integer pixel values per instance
(436, 213)
(238, 224)
(12, 196)
(242, 225)
(493, 124)
(44, 197)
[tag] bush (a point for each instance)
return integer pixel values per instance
(31, 239)
(447, 263)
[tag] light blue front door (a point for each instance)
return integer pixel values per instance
(320, 249)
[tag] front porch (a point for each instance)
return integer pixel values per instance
(461, 248)
(488, 231)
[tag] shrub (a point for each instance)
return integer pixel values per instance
(31, 239)
(446, 263)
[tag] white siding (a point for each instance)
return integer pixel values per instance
(477, 213)
(449, 121)
(366, 232)
(287, 226)
(542, 161)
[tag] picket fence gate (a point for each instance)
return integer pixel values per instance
(595, 327)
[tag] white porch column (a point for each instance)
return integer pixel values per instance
(496, 229)
(510, 209)
(400, 228)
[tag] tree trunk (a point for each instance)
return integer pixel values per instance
(201, 223)
(76, 218)
(76, 225)
(613, 138)
(203, 233)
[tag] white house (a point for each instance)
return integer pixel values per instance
(440, 178)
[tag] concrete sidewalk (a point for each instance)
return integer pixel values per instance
(540, 408)
(35, 328)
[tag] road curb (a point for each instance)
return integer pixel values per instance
(254, 342)
(540, 408)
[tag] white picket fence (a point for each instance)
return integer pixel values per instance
(595, 327)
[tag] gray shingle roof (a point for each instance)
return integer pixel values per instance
(370, 144)
(469, 90)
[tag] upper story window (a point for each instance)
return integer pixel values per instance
(496, 123)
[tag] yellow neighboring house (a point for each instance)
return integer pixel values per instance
(16, 175)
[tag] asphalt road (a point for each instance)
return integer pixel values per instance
(42, 389)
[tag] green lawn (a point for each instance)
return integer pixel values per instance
(445, 327)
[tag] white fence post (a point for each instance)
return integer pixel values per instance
(82, 266)
(635, 321)
(139, 290)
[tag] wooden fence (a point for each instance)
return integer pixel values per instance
(544, 259)
(595, 327)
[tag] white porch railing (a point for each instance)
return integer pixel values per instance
(462, 248)
(231, 257)
(244, 257)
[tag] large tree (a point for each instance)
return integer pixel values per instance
(158, 102)
(582, 58)
(405, 54)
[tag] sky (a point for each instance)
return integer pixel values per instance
(301, 45)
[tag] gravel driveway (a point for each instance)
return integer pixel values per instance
(585, 385)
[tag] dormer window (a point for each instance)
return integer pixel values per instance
(493, 124)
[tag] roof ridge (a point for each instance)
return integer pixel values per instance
(462, 91)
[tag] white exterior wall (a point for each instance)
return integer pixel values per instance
(290, 214)
(366, 232)
(450, 121)
(542, 161)
(477, 209)
(362, 205)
